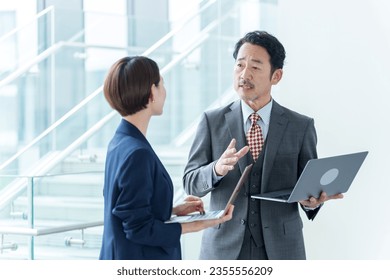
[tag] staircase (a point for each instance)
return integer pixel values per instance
(72, 194)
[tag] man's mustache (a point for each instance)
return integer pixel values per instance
(245, 83)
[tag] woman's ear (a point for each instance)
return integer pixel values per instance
(152, 93)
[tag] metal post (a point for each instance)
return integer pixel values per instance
(53, 106)
(30, 211)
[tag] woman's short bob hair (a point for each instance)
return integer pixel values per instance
(128, 84)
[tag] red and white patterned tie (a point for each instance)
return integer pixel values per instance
(254, 136)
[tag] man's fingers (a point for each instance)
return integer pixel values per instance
(227, 168)
(229, 158)
(242, 152)
(324, 197)
(229, 152)
(231, 149)
(336, 196)
(232, 144)
(229, 161)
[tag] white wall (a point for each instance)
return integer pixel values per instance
(338, 71)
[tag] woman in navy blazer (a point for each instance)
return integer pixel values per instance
(138, 191)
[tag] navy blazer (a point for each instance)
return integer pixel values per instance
(138, 196)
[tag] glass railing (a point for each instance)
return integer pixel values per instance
(195, 59)
(186, 63)
(41, 97)
(186, 69)
(58, 216)
(21, 44)
(38, 91)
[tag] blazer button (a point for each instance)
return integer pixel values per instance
(242, 221)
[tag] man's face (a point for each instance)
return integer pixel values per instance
(252, 75)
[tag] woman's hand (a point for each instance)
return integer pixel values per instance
(200, 225)
(191, 204)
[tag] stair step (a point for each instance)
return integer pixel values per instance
(82, 184)
(64, 208)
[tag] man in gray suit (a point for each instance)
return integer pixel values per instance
(259, 229)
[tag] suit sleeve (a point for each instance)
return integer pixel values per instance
(198, 173)
(308, 151)
(134, 203)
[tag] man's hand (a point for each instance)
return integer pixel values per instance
(313, 202)
(229, 158)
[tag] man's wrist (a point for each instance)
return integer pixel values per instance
(216, 177)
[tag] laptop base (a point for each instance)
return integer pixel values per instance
(211, 215)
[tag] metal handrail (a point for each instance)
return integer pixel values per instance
(22, 69)
(176, 30)
(57, 158)
(40, 57)
(50, 174)
(53, 126)
(88, 98)
(60, 44)
(47, 231)
(63, 154)
(47, 165)
(38, 15)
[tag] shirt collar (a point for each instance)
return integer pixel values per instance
(264, 113)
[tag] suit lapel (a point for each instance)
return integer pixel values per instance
(234, 123)
(278, 124)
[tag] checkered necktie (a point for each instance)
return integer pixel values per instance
(254, 136)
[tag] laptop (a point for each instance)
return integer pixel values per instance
(216, 214)
(332, 175)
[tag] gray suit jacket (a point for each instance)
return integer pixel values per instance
(291, 142)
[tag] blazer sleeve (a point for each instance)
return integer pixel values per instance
(134, 203)
(198, 173)
(308, 151)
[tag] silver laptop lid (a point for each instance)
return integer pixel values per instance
(332, 175)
